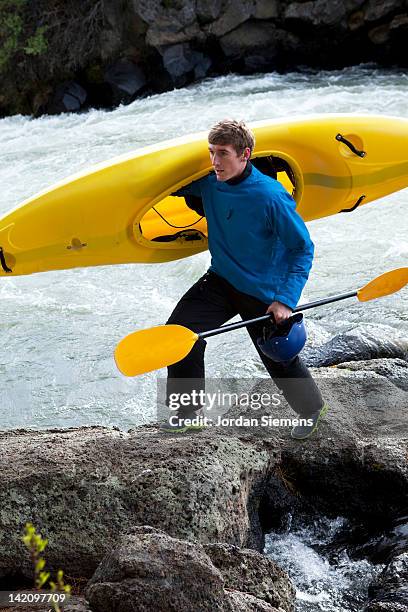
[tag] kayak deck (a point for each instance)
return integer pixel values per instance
(122, 211)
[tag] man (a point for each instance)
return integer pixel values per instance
(261, 255)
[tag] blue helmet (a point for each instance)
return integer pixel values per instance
(283, 342)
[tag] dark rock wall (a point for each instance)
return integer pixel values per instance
(67, 55)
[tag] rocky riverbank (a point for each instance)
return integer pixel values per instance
(178, 522)
(64, 57)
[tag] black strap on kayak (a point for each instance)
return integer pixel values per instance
(187, 235)
(360, 199)
(350, 145)
(3, 261)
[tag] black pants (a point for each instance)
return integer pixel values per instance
(209, 303)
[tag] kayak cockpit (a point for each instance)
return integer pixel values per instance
(173, 222)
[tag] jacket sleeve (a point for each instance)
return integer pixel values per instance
(193, 189)
(293, 233)
(192, 196)
(196, 204)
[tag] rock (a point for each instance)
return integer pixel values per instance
(255, 43)
(202, 65)
(266, 9)
(375, 10)
(81, 488)
(352, 5)
(391, 543)
(168, 32)
(113, 35)
(169, 22)
(399, 22)
(395, 370)
(354, 466)
(125, 79)
(77, 604)
(316, 33)
(148, 570)
(366, 481)
(85, 488)
(379, 35)
(250, 37)
(208, 10)
(180, 60)
(317, 13)
(243, 602)
(232, 17)
(355, 21)
(389, 592)
(69, 97)
(249, 571)
(148, 9)
(356, 345)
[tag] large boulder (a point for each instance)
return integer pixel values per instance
(395, 370)
(149, 570)
(247, 570)
(317, 12)
(253, 39)
(360, 343)
(180, 61)
(69, 97)
(125, 79)
(81, 488)
(233, 14)
(376, 10)
(355, 465)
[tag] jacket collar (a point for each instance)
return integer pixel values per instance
(238, 179)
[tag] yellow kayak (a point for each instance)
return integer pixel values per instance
(122, 211)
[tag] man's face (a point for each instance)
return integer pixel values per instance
(226, 162)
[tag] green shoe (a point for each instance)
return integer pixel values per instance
(302, 432)
(183, 424)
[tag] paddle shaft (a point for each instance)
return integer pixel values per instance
(239, 324)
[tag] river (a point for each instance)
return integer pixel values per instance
(59, 329)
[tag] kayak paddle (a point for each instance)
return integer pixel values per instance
(157, 347)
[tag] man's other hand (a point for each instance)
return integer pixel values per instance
(280, 312)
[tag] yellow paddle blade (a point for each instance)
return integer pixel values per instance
(387, 283)
(154, 348)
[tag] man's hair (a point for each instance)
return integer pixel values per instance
(231, 132)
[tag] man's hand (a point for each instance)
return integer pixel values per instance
(280, 312)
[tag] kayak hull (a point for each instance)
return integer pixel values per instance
(122, 211)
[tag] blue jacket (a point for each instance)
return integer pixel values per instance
(257, 240)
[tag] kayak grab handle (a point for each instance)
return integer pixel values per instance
(360, 199)
(350, 145)
(3, 261)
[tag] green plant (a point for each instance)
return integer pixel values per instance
(13, 25)
(10, 31)
(37, 44)
(36, 545)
